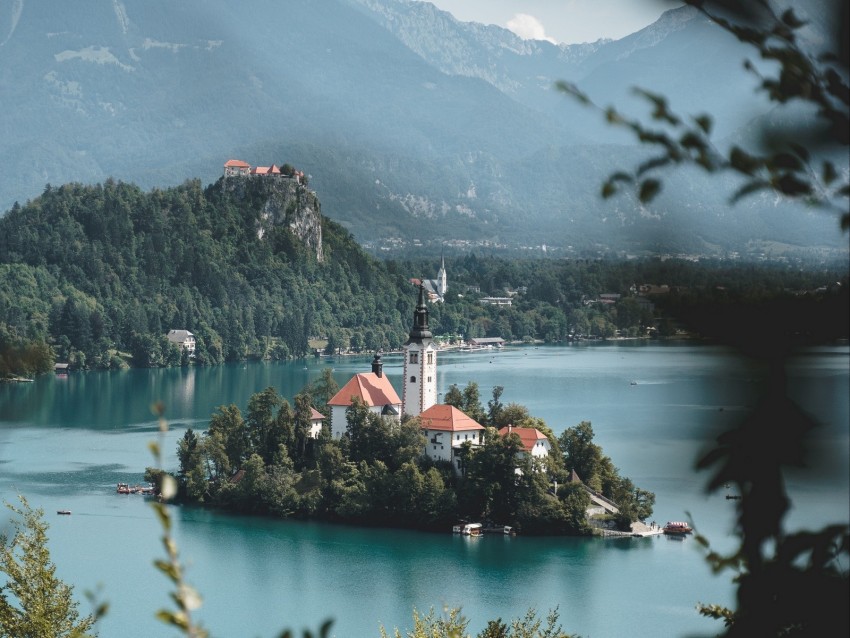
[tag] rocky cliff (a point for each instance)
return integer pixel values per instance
(282, 201)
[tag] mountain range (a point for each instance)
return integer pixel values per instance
(414, 128)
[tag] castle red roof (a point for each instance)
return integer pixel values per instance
(233, 163)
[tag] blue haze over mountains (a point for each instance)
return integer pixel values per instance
(410, 123)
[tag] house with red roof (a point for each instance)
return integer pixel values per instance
(234, 167)
(446, 429)
(373, 389)
(534, 443)
(271, 171)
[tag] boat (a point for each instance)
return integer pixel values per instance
(469, 529)
(507, 530)
(126, 488)
(677, 528)
(64, 512)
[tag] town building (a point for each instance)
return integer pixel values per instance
(484, 342)
(435, 289)
(373, 389)
(238, 168)
(446, 429)
(496, 301)
(317, 420)
(184, 339)
(534, 443)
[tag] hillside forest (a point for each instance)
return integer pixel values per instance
(97, 275)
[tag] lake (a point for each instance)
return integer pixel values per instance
(66, 442)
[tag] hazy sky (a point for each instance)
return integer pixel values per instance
(569, 21)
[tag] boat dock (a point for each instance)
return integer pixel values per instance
(638, 530)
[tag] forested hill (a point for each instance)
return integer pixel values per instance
(251, 268)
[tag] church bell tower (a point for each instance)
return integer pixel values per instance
(420, 363)
(442, 279)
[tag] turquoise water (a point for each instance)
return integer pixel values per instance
(65, 443)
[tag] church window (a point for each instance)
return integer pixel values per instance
(414, 357)
(429, 379)
(430, 358)
(413, 379)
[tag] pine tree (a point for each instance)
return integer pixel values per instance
(33, 601)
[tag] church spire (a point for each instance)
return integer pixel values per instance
(420, 331)
(442, 283)
(420, 362)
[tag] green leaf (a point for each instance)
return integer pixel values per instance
(692, 140)
(174, 619)
(704, 122)
(743, 161)
(162, 515)
(620, 176)
(791, 185)
(786, 161)
(649, 188)
(167, 568)
(791, 20)
(572, 90)
(612, 116)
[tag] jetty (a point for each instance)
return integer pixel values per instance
(637, 530)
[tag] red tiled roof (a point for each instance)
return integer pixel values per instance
(232, 163)
(447, 418)
(528, 436)
(315, 415)
(369, 388)
(265, 170)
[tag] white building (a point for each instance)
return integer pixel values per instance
(316, 421)
(534, 443)
(420, 363)
(446, 429)
(184, 339)
(373, 389)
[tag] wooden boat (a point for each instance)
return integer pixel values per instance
(64, 512)
(678, 528)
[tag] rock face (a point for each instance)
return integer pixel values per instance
(282, 201)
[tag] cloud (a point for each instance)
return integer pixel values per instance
(529, 28)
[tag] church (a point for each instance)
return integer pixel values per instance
(375, 390)
(435, 289)
(444, 427)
